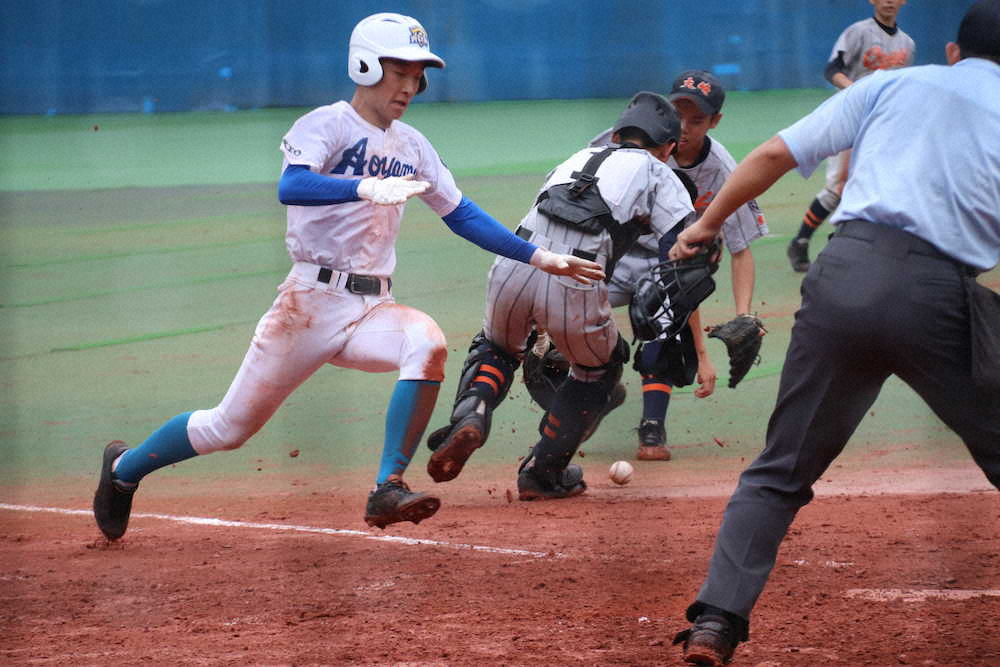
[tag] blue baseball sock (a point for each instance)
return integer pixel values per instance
(167, 445)
(409, 411)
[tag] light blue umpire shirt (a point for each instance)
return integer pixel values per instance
(926, 154)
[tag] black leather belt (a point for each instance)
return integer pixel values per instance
(365, 285)
(526, 234)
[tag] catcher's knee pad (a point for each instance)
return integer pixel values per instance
(544, 374)
(486, 376)
(577, 406)
(828, 198)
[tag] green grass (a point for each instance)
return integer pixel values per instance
(135, 260)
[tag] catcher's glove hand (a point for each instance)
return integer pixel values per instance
(742, 336)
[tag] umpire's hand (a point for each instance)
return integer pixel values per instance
(691, 240)
(581, 270)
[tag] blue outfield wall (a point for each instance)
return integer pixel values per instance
(83, 56)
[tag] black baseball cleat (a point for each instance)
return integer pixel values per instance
(798, 254)
(392, 502)
(112, 502)
(710, 641)
(464, 437)
(652, 441)
(532, 487)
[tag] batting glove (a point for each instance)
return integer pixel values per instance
(390, 191)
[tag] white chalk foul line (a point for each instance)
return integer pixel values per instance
(207, 521)
(918, 595)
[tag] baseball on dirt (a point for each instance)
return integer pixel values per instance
(620, 472)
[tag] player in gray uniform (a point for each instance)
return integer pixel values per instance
(864, 47)
(348, 171)
(698, 97)
(594, 204)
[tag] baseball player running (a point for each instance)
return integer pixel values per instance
(594, 205)
(864, 47)
(698, 97)
(348, 170)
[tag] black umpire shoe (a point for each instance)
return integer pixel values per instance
(798, 255)
(652, 441)
(531, 487)
(112, 502)
(392, 502)
(710, 641)
(462, 438)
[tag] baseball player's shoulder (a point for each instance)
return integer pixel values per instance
(720, 154)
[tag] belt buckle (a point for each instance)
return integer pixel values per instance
(365, 285)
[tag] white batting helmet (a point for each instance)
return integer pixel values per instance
(387, 35)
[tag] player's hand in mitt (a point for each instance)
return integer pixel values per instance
(742, 335)
(391, 191)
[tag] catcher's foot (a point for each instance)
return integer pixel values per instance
(532, 487)
(463, 438)
(112, 500)
(392, 502)
(798, 255)
(652, 441)
(710, 641)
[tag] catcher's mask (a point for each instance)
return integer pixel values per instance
(387, 35)
(665, 298)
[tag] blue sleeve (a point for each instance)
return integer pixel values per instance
(474, 224)
(299, 186)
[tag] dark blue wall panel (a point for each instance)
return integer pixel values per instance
(77, 56)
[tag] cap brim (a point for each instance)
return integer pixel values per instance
(698, 100)
(415, 54)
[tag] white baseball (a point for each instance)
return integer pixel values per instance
(620, 472)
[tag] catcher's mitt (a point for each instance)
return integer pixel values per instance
(742, 336)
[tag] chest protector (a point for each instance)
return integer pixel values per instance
(580, 205)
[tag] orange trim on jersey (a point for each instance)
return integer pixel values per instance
(657, 386)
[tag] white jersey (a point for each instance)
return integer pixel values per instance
(358, 237)
(708, 173)
(865, 47)
(632, 183)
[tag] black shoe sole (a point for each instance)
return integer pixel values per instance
(447, 461)
(528, 495)
(415, 510)
(112, 507)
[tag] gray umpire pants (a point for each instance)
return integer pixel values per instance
(877, 302)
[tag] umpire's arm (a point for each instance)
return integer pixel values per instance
(753, 176)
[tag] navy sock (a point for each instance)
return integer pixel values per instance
(655, 397)
(813, 218)
(167, 445)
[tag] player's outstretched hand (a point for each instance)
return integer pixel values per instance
(690, 241)
(706, 377)
(390, 191)
(581, 270)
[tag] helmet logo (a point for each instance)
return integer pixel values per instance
(418, 36)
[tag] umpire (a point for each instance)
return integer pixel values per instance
(893, 293)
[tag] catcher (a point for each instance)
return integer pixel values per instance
(594, 205)
(698, 97)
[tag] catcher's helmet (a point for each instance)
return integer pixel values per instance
(654, 115)
(387, 35)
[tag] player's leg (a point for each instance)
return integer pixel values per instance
(656, 391)
(393, 337)
(488, 370)
(579, 404)
(281, 356)
(822, 206)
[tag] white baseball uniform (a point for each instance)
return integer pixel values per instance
(319, 317)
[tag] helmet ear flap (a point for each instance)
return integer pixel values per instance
(364, 67)
(423, 84)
